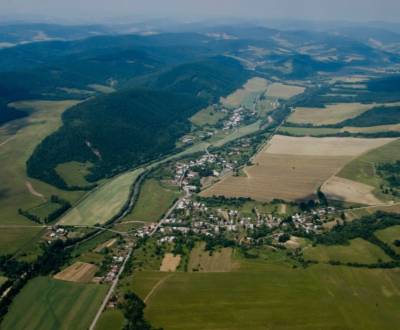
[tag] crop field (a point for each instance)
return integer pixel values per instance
(389, 236)
(320, 131)
(219, 261)
(80, 272)
(18, 139)
(349, 191)
(262, 295)
(331, 114)
(363, 169)
(154, 200)
(207, 116)
(103, 203)
(46, 303)
(246, 95)
(359, 251)
(292, 168)
(111, 319)
(283, 91)
(359, 212)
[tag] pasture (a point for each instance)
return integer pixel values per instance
(104, 202)
(20, 240)
(18, 139)
(331, 114)
(262, 295)
(246, 95)
(74, 173)
(292, 168)
(154, 200)
(389, 236)
(111, 319)
(358, 251)
(204, 261)
(46, 303)
(207, 116)
(283, 91)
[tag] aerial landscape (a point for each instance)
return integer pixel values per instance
(231, 165)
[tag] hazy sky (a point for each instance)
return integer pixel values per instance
(357, 10)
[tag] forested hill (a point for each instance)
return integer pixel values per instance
(136, 125)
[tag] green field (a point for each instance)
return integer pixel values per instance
(18, 139)
(219, 141)
(103, 203)
(20, 240)
(207, 116)
(262, 295)
(154, 200)
(363, 169)
(389, 235)
(359, 251)
(73, 173)
(111, 319)
(45, 303)
(308, 131)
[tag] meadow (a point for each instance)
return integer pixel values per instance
(264, 295)
(21, 240)
(389, 236)
(208, 116)
(154, 200)
(46, 303)
(283, 91)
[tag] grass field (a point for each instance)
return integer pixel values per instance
(292, 168)
(331, 114)
(363, 169)
(21, 240)
(389, 236)
(236, 134)
(359, 251)
(45, 303)
(262, 295)
(103, 203)
(73, 173)
(219, 261)
(283, 91)
(207, 116)
(154, 200)
(110, 319)
(18, 140)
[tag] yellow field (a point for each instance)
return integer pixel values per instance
(78, 272)
(331, 114)
(293, 168)
(170, 263)
(349, 191)
(236, 99)
(282, 91)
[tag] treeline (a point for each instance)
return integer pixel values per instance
(216, 201)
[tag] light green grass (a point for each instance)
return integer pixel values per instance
(389, 235)
(45, 303)
(266, 296)
(154, 200)
(103, 203)
(363, 169)
(359, 251)
(111, 319)
(74, 173)
(236, 134)
(43, 210)
(20, 239)
(207, 116)
(18, 139)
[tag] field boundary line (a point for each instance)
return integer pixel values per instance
(155, 287)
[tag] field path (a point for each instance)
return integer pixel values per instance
(155, 287)
(33, 191)
(8, 140)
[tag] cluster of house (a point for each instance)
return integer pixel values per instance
(56, 233)
(114, 269)
(235, 119)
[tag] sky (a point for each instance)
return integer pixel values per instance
(96, 10)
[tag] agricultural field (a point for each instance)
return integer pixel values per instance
(170, 263)
(320, 296)
(246, 95)
(18, 139)
(363, 168)
(389, 236)
(74, 173)
(208, 116)
(293, 168)
(331, 114)
(20, 240)
(103, 203)
(320, 131)
(111, 319)
(46, 303)
(354, 214)
(204, 261)
(358, 251)
(154, 200)
(79, 272)
(283, 91)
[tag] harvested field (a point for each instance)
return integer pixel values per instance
(246, 94)
(80, 272)
(205, 261)
(282, 91)
(170, 263)
(105, 245)
(331, 114)
(292, 168)
(349, 191)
